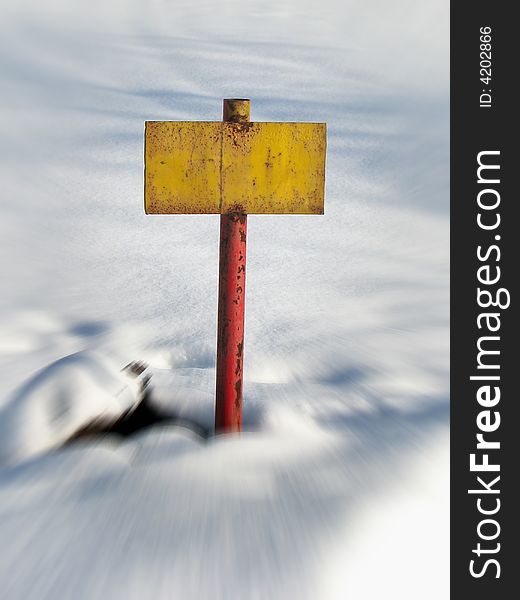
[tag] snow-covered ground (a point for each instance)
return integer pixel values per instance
(339, 488)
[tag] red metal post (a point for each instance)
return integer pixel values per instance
(231, 304)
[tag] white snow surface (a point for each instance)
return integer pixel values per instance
(47, 410)
(338, 488)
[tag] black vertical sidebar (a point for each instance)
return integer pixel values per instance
(483, 90)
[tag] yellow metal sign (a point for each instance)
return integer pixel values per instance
(222, 168)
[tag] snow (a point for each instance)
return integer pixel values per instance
(339, 485)
(61, 399)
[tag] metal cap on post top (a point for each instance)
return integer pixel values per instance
(236, 110)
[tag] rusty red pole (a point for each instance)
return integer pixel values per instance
(231, 303)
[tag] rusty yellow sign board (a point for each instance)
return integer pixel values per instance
(224, 168)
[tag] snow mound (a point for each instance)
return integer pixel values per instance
(61, 399)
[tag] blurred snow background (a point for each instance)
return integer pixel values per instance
(340, 488)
